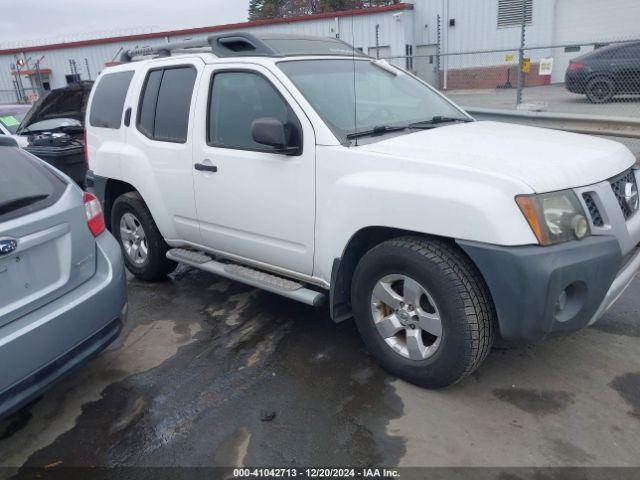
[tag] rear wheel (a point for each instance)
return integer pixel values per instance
(600, 90)
(423, 310)
(142, 245)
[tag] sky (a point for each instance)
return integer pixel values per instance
(45, 21)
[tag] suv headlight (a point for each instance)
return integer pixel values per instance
(554, 217)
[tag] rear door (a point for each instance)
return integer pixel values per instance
(46, 248)
(626, 64)
(157, 158)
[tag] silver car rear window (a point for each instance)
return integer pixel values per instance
(26, 185)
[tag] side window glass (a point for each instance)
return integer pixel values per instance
(174, 102)
(147, 110)
(108, 100)
(235, 101)
(165, 104)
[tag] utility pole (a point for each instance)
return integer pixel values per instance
(439, 49)
(523, 25)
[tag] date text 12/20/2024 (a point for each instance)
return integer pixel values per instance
(315, 473)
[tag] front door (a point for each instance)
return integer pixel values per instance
(252, 202)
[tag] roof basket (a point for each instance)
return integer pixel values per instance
(236, 44)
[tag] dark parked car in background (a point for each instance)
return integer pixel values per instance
(55, 129)
(606, 72)
(62, 283)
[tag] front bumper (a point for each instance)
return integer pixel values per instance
(43, 346)
(543, 291)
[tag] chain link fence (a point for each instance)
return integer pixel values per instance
(24, 95)
(594, 79)
(590, 78)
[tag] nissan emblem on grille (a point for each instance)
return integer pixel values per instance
(631, 195)
(7, 245)
(625, 189)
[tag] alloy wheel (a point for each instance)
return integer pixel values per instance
(134, 239)
(406, 317)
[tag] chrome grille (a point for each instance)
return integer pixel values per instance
(619, 187)
(594, 212)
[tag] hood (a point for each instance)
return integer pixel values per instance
(545, 159)
(69, 102)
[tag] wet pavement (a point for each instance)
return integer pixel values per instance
(210, 372)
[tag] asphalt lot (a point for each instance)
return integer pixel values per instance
(204, 364)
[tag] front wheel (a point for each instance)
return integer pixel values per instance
(423, 310)
(142, 245)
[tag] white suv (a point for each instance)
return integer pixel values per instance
(300, 166)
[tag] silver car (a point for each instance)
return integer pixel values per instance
(62, 283)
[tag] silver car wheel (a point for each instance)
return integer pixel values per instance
(406, 317)
(134, 239)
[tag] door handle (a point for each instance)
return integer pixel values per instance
(201, 167)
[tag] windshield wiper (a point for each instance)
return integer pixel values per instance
(16, 203)
(437, 120)
(377, 130)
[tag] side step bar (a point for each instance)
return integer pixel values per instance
(255, 278)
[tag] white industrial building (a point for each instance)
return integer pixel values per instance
(419, 29)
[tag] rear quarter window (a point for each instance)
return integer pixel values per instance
(163, 113)
(108, 100)
(26, 185)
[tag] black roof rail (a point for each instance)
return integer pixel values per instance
(222, 45)
(236, 44)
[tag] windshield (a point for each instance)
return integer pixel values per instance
(386, 96)
(10, 119)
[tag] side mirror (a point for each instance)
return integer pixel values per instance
(272, 132)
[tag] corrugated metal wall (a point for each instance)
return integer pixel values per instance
(393, 32)
(554, 21)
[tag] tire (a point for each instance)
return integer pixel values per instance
(147, 262)
(600, 90)
(449, 287)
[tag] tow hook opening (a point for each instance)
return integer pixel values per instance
(570, 301)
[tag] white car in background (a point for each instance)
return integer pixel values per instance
(10, 118)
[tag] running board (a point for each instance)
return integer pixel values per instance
(255, 278)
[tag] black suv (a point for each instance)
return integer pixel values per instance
(606, 72)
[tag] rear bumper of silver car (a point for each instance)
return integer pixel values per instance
(45, 345)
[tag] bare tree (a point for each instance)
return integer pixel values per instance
(260, 9)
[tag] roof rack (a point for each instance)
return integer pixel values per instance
(236, 44)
